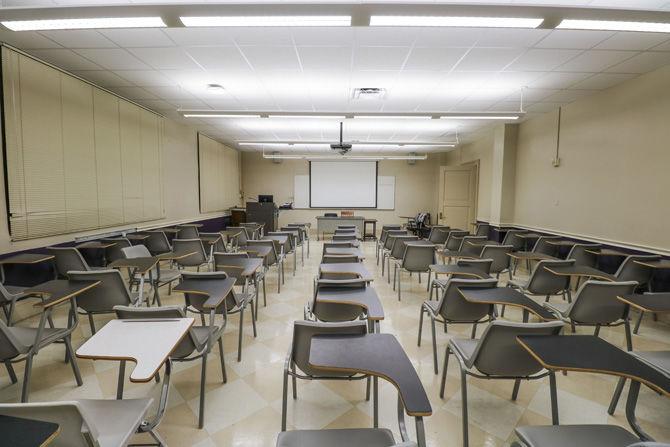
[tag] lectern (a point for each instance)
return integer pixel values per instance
(265, 213)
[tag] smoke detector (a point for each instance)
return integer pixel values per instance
(369, 93)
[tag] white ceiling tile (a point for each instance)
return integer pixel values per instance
(632, 41)
(79, 38)
(199, 36)
(65, 59)
(504, 37)
(558, 80)
(142, 37)
(386, 36)
(145, 77)
(113, 59)
(189, 104)
(538, 94)
(595, 61)
(134, 92)
(157, 104)
(573, 39)
(164, 58)
(642, 63)
(544, 107)
(436, 58)
(379, 58)
(228, 57)
(370, 78)
(104, 78)
(488, 59)
(448, 37)
(319, 58)
(170, 93)
(542, 59)
(269, 57)
(602, 81)
(663, 47)
(568, 95)
(27, 40)
(327, 36)
(261, 35)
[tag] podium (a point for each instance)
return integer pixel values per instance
(264, 213)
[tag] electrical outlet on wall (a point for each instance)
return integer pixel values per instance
(556, 162)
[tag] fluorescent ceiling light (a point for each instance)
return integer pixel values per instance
(219, 115)
(614, 25)
(479, 117)
(267, 21)
(343, 157)
(401, 117)
(339, 117)
(480, 22)
(98, 22)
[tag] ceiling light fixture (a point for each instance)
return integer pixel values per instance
(615, 25)
(402, 117)
(479, 117)
(343, 157)
(479, 22)
(220, 115)
(339, 117)
(89, 23)
(354, 143)
(215, 88)
(267, 21)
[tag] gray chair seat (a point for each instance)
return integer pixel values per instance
(560, 308)
(26, 335)
(518, 283)
(15, 290)
(576, 436)
(200, 335)
(441, 283)
(434, 306)
(465, 347)
(114, 418)
(352, 437)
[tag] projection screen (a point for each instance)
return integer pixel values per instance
(343, 184)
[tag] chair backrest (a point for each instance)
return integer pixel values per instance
(482, 229)
(196, 300)
(187, 232)
(183, 246)
(273, 257)
(471, 249)
(338, 259)
(481, 264)
(390, 236)
(303, 331)
(329, 214)
(241, 237)
(543, 282)
(512, 239)
(596, 302)
(136, 251)
(187, 344)
(157, 242)
(454, 239)
(220, 244)
(338, 244)
(453, 307)
(398, 247)
(223, 256)
(344, 237)
(498, 352)
(438, 234)
(499, 255)
(580, 254)
(345, 227)
(77, 429)
(335, 312)
(114, 252)
(418, 258)
(233, 271)
(542, 245)
(629, 270)
(10, 345)
(288, 234)
(67, 258)
(112, 290)
(301, 232)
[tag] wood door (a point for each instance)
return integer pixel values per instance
(458, 196)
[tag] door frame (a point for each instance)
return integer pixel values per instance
(474, 166)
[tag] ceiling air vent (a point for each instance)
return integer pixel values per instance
(369, 93)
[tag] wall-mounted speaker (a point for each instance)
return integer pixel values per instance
(276, 161)
(411, 161)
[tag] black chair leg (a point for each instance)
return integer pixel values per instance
(223, 362)
(421, 312)
(73, 360)
(434, 335)
(444, 372)
(616, 396)
(515, 390)
(203, 378)
(554, 398)
(10, 371)
(639, 322)
(464, 405)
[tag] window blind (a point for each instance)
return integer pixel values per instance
(219, 175)
(77, 157)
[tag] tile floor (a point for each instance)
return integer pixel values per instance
(246, 410)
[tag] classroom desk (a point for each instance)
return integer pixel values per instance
(351, 251)
(137, 237)
(259, 251)
(529, 256)
(661, 264)
(146, 342)
(215, 290)
(248, 270)
(346, 268)
(588, 353)
(172, 256)
(561, 243)
(344, 243)
(458, 270)
(506, 296)
(379, 355)
(97, 245)
(57, 291)
(608, 252)
(283, 240)
(23, 259)
(648, 302)
(528, 238)
(143, 266)
(329, 224)
(366, 297)
(23, 432)
(478, 243)
(581, 271)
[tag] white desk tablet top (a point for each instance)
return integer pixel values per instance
(147, 342)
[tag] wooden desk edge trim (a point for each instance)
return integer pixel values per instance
(53, 436)
(46, 303)
(597, 371)
(637, 306)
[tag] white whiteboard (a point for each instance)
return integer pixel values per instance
(385, 192)
(343, 184)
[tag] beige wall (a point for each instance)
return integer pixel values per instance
(180, 188)
(613, 180)
(416, 187)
